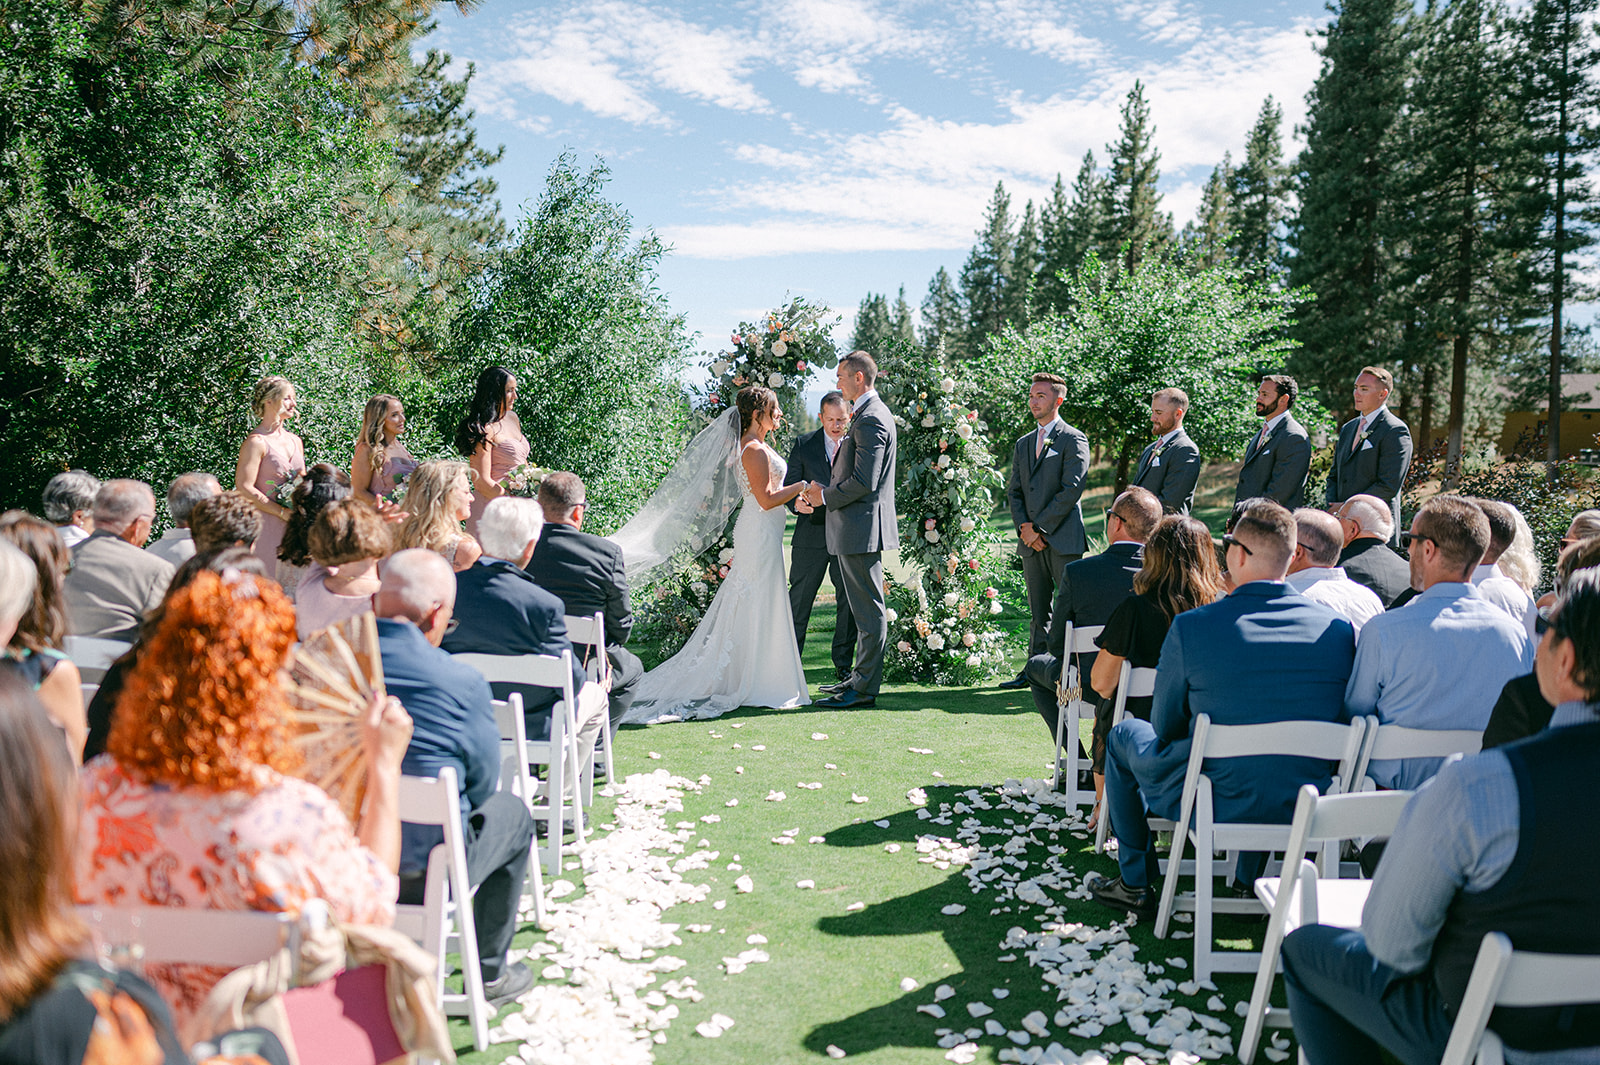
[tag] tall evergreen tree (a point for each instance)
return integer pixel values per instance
(986, 275)
(872, 324)
(901, 326)
(1260, 197)
(1344, 233)
(1024, 267)
(1204, 241)
(1560, 119)
(943, 318)
(1069, 230)
(1131, 223)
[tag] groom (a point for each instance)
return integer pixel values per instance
(861, 524)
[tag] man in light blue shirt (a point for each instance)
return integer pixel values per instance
(1440, 661)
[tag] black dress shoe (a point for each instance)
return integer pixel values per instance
(835, 688)
(1116, 895)
(844, 673)
(849, 699)
(1019, 681)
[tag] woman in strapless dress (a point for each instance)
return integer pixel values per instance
(490, 437)
(381, 460)
(438, 499)
(272, 456)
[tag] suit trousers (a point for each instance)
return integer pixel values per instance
(1041, 570)
(499, 837)
(806, 569)
(626, 672)
(1346, 1004)
(863, 587)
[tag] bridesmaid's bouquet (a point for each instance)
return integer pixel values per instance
(524, 481)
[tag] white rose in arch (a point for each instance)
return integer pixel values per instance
(935, 642)
(994, 606)
(927, 421)
(944, 461)
(947, 385)
(779, 348)
(776, 380)
(967, 525)
(932, 536)
(974, 661)
(903, 647)
(964, 431)
(719, 367)
(951, 598)
(970, 639)
(949, 475)
(726, 555)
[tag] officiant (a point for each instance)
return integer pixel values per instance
(812, 460)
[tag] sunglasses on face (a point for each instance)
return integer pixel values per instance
(1229, 541)
(1408, 538)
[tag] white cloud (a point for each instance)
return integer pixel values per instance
(1036, 26)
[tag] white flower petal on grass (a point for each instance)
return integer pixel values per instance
(854, 906)
(858, 798)
(953, 909)
(884, 823)
(919, 750)
(655, 756)
(834, 1052)
(553, 972)
(815, 785)
(999, 992)
(907, 984)
(1036, 1022)
(1240, 1009)
(932, 1009)
(731, 802)
(994, 1027)
(965, 1054)
(1177, 963)
(758, 747)
(744, 885)
(805, 885)
(755, 939)
(560, 890)
(817, 839)
(719, 904)
(819, 735)
(711, 819)
(892, 848)
(917, 797)
(829, 765)
(979, 1009)
(942, 992)
(1274, 1054)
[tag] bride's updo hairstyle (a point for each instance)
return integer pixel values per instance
(757, 399)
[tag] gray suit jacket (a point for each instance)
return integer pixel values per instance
(111, 586)
(1044, 489)
(1277, 470)
(1171, 475)
(860, 497)
(1378, 466)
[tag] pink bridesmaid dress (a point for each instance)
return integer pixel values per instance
(275, 470)
(505, 455)
(394, 471)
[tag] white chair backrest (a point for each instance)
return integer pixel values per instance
(1080, 639)
(1304, 739)
(431, 800)
(1506, 977)
(587, 628)
(90, 653)
(543, 671)
(174, 934)
(1355, 815)
(513, 727)
(1396, 741)
(1139, 681)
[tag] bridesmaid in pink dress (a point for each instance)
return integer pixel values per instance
(271, 456)
(381, 460)
(490, 437)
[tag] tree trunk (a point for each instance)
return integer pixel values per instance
(1123, 458)
(1558, 270)
(1463, 336)
(1426, 440)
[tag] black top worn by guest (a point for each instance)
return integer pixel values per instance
(1135, 631)
(1378, 566)
(1520, 712)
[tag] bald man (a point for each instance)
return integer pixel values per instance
(113, 581)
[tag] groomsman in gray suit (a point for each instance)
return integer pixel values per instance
(809, 560)
(1048, 469)
(1170, 466)
(1279, 456)
(1374, 449)
(861, 524)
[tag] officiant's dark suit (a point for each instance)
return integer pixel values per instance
(1044, 490)
(1276, 468)
(586, 573)
(808, 553)
(1170, 470)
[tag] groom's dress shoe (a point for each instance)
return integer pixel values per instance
(1019, 681)
(836, 688)
(849, 699)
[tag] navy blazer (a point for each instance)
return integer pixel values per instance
(1369, 561)
(808, 461)
(1377, 467)
(1277, 469)
(1045, 488)
(1089, 589)
(1264, 653)
(501, 611)
(1171, 475)
(586, 573)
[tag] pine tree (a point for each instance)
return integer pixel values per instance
(1260, 197)
(872, 324)
(1024, 268)
(1069, 228)
(1131, 223)
(1559, 105)
(1204, 241)
(1343, 236)
(943, 317)
(986, 275)
(901, 326)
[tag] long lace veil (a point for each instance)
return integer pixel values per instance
(690, 508)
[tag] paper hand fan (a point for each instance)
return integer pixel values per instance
(331, 682)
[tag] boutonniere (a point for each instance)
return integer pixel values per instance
(1159, 449)
(1362, 438)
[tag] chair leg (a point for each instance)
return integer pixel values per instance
(1204, 889)
(1055, 776)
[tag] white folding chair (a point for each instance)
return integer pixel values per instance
(546, 671)
(92, 655)
(589, 631)
(1303, 895)
(446, 910)
(517, 779)
(1132, 683)
(1072, 707)
(176, 935)
(1395, 741)
(1503, 976)
(1304, 739)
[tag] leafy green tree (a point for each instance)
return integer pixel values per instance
(872, 327)
(986, 275)
(1204, 241)
(1259, 199)
(943, 318)
(1132, 225)
(1069, 230)
(573, 309)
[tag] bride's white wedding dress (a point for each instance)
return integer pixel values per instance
(743, 651)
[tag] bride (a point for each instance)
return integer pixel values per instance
(743, 652)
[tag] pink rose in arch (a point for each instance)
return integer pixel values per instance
(930, 524)
(800, 367)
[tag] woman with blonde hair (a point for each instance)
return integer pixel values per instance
(34, 652)
(381, 460)
(438, 499)
(270, 457)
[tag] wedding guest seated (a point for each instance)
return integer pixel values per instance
(112, 581)
(195, 804)
(438, 500)
(347, 541)
(1489, 578)
(223, 521)
(453, 725)
(1495, 842)
(324, 483)
(103, 706)
(1585, 526)
(1315, 573)
(501, 611)
(69, 505)
(1179, 573)
(1440, 662)
(177, 544)
(586, 573)
(34, 652)
(1367, 558)
(1088, 590)
(1264, 653)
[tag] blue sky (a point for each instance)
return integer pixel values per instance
(826, 148)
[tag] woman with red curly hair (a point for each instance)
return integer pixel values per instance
(193, 803)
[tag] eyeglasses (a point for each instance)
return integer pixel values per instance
(1408, 538)
(1228, 541)
(452, 625)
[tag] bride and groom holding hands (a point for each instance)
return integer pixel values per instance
(744, 651)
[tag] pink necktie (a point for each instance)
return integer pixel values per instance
(1039, 448)
(1355, 445)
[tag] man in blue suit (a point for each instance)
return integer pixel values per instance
(1265, 653)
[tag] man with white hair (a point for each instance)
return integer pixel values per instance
(1315, 573)
(1367, 558)
(500, 610)
(452, 724)
(112, 582)
(69, 504)
(183, 495)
